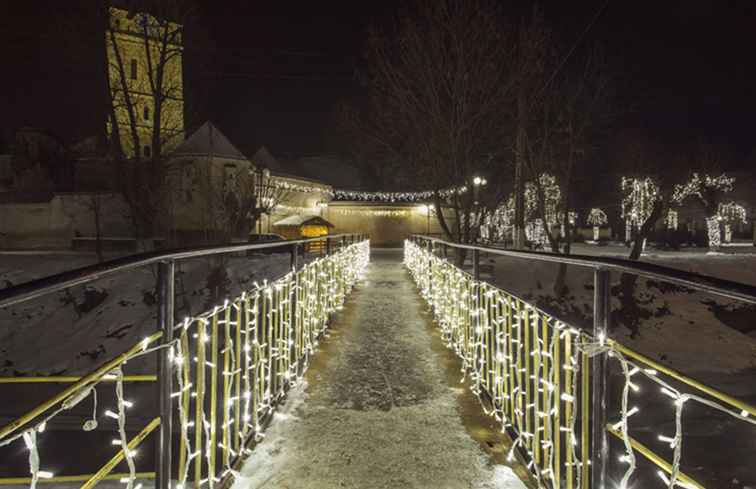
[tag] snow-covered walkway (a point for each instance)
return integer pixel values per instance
(376, 410)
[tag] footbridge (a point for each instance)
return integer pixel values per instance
(369, 368)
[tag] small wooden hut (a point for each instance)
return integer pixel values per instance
(297, 226)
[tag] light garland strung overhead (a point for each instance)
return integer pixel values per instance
(373, 212)
(419, 196)
(281, 183)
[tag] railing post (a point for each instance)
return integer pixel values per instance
(429, 245)
(166, 298)
(294, 257)
(476, 264)
(600, 442)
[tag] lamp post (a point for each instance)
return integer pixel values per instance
(478, 182)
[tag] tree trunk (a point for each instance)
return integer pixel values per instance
(520, 147)
(98, 230)
(714, 233)
(645, 230)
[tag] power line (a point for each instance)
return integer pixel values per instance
(574, 46)
(274, 76)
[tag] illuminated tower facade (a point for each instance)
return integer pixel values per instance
(144, 56)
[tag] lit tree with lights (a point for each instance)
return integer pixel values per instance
(729, 214)
(647, 192)
(641, 200)
(571, 111)
(709, 190)
(596, 218)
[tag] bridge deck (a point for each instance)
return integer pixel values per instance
(382, 405)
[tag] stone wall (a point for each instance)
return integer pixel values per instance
(55, 223)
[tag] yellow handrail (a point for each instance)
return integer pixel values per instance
(72, 478)
(95, 375)
(67, 379)
(654, 458)
(111, 464)
(684, 379)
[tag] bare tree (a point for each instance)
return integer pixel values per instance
(267, 193)
(533, 48)
(95, 202)
(143, 87)
(566, 123)
(439, 92)
(144, 74)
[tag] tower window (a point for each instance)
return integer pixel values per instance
(147, 151)
(146, 113)
(133, 69)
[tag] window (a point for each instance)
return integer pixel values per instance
(147, 151)
(146, 113)
(229, 179)
(133, 69)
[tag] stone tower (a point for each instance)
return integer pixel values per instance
(144, 56)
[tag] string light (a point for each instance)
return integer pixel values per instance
(282, 184)
(426, 195)
(470, 315)
(319, 289)
(703, 187)
(731, 213)
(373, 212)
(505, 355)
(596, 218)
(639, 197)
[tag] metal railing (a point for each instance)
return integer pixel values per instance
(225, 368)
(545, 380)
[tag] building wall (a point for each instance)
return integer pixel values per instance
(387, 224)
(130, 44)
(305, 197)
(199, 185)
(54, 224)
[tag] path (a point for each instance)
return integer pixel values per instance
(377, 410)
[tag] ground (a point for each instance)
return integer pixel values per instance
(71, 333)
(377, 409)
(720, 334)
(380, 393)
(705, 337)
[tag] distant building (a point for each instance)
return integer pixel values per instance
(138, 47)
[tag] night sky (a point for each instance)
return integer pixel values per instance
(270, 72)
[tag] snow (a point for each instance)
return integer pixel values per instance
(376, 410)
(60, 335)
(719, 334)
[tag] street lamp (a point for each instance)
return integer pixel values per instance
(477, 183)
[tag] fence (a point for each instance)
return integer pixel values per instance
(546, 381)
(225, 369)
